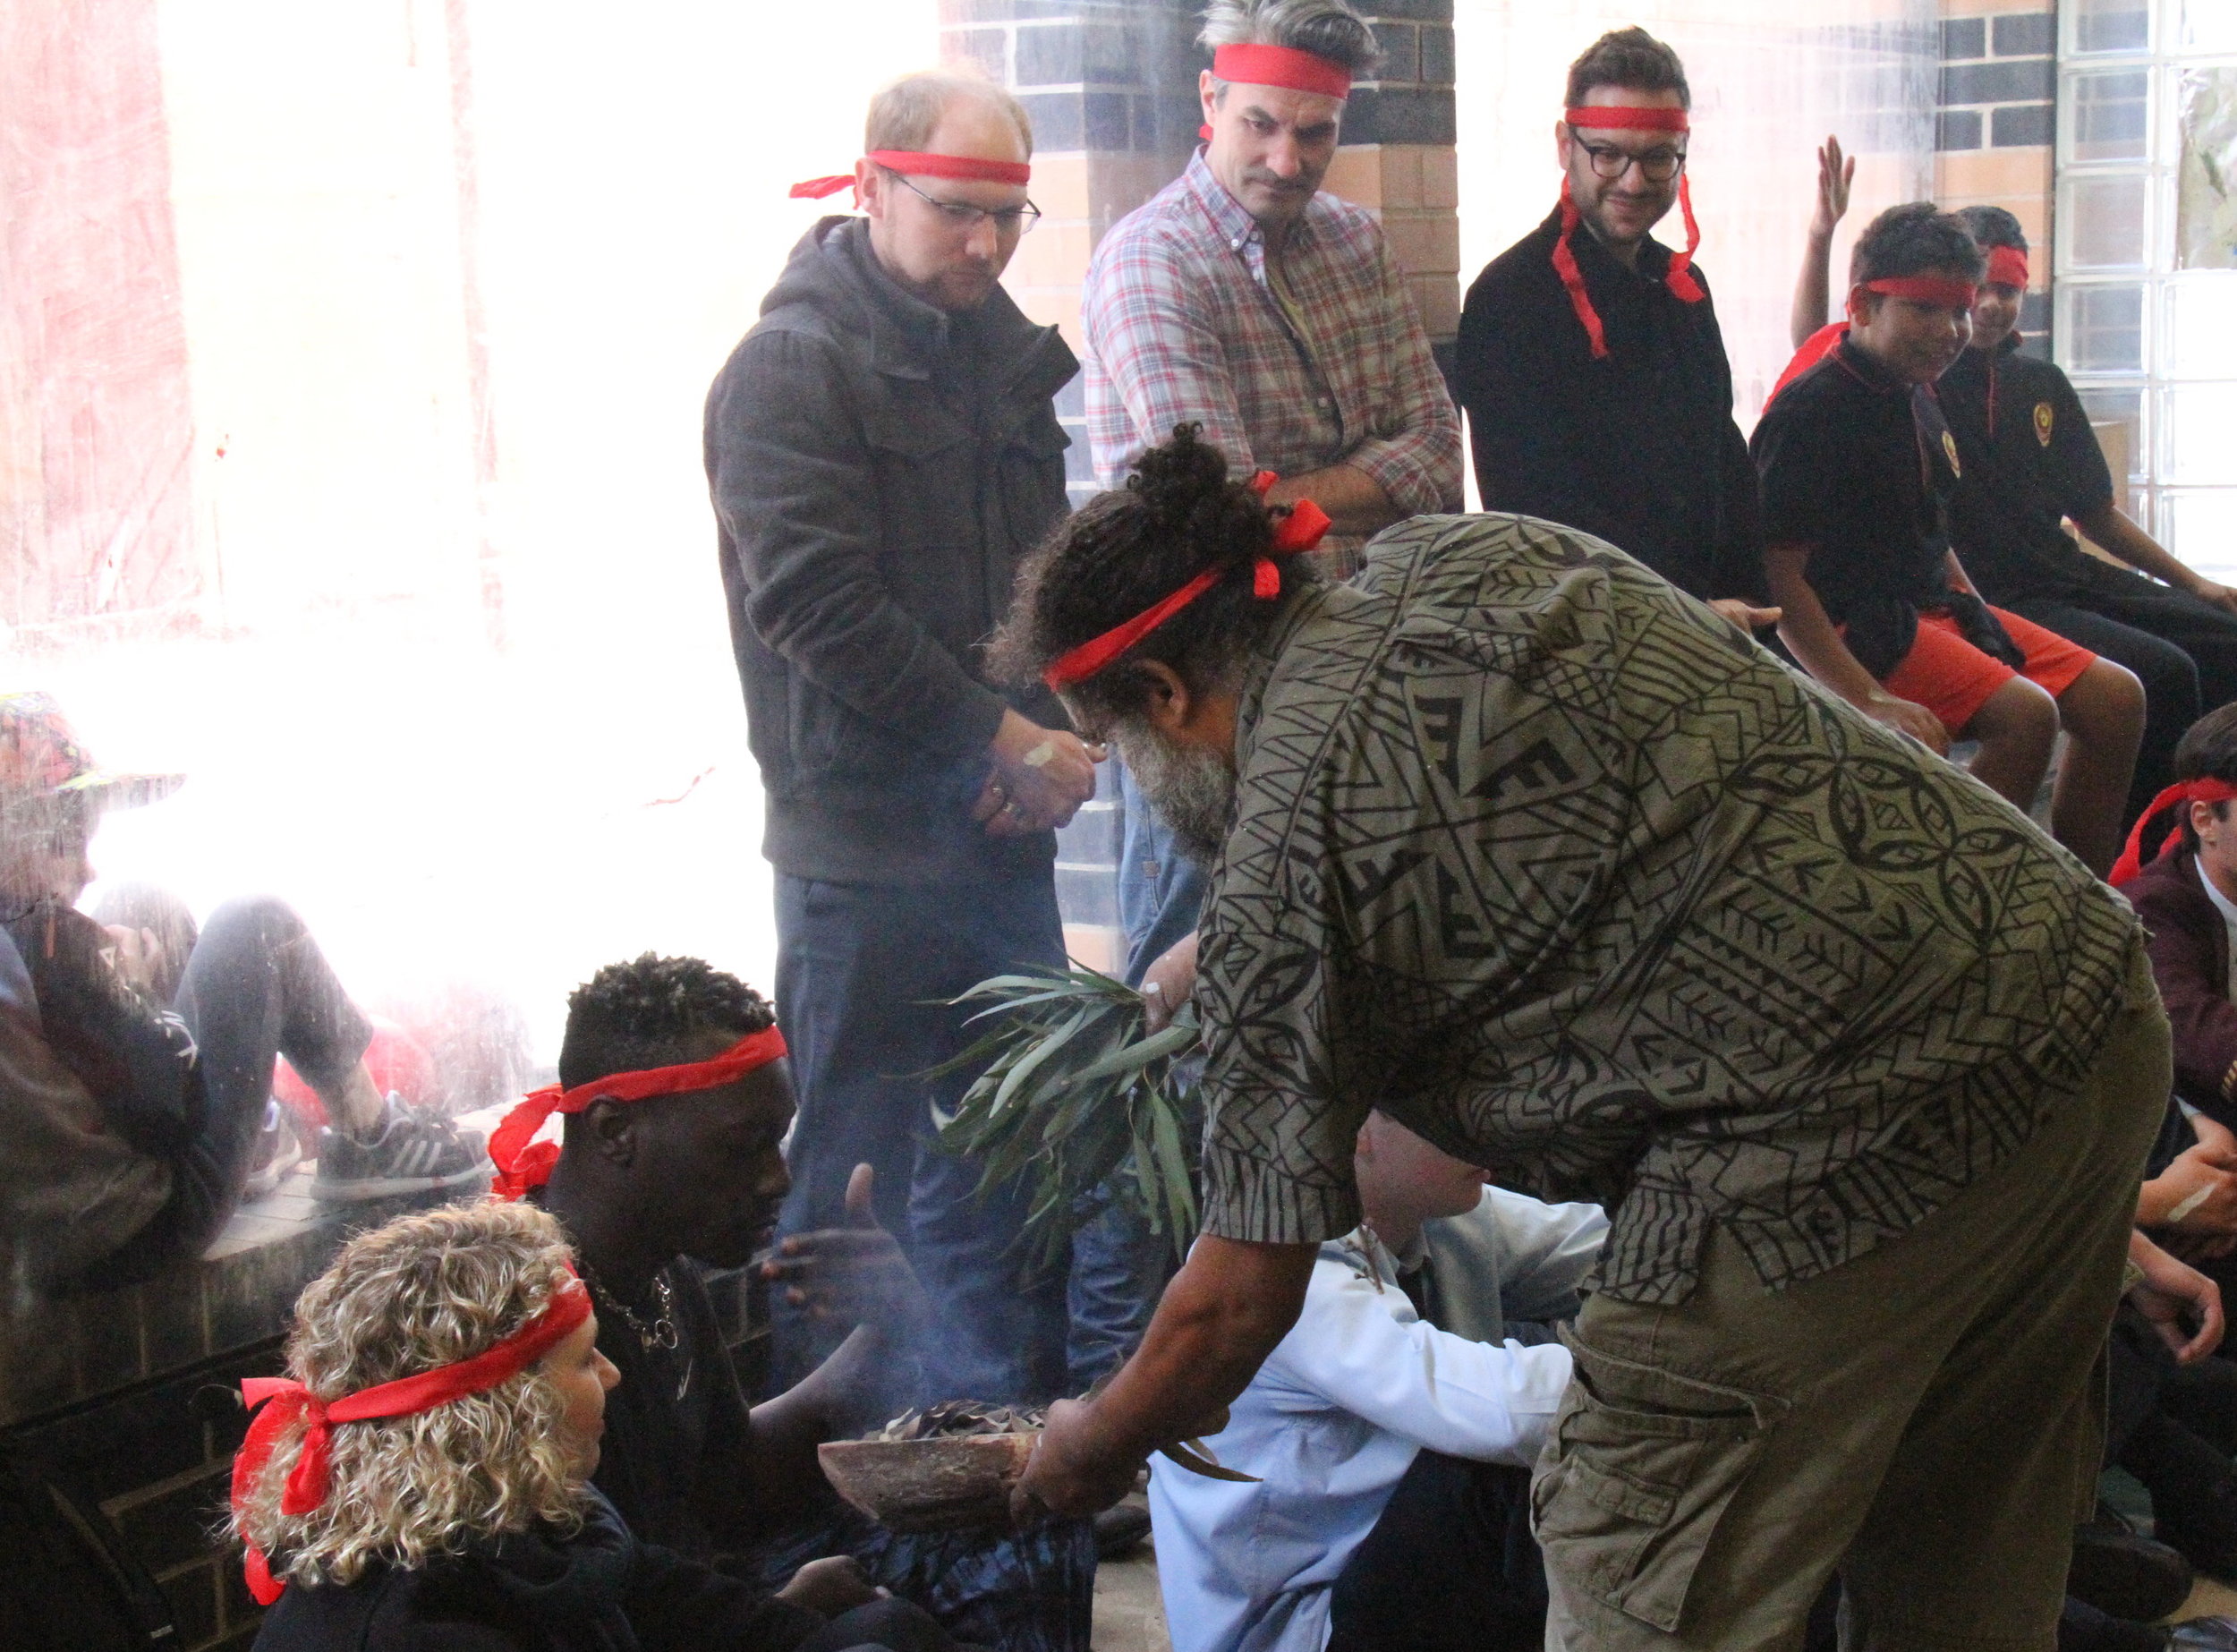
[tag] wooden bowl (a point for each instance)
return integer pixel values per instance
(910, 1485)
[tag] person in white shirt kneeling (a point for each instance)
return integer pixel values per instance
(1392, 1432)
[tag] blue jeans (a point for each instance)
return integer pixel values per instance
(1160, 888)
(862, 974)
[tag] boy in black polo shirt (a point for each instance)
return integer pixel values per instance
(1857, 463)
(2031, 459)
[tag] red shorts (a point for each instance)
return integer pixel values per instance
(1953, 680)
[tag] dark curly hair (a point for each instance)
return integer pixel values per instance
(630, 1017)
(1993, 226)
(1125, 551)
(1630, 57)
(1912, 240)
(2207, 751)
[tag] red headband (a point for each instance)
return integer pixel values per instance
(1615, 114)
(523, 1162)
(1016, 172)
(307, 1482)
(2131, 861)
(2008, 267)
(1300, 530)
(1938, 290)
(1280, 65)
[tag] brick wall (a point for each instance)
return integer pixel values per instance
(1994, 127)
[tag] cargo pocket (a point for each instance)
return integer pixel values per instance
(1640, 1468)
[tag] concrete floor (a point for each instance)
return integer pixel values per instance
(1129, 1616)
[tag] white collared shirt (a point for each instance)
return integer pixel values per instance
(2228, 909)
(1333, 1418)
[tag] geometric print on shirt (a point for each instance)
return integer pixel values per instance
(1546, 860)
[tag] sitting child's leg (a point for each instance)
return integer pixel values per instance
(2016, 727)
(2102, 713)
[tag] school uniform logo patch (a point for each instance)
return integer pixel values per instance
(1949, 452)
(2042, 417)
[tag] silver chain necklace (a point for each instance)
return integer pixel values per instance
(661, 1332)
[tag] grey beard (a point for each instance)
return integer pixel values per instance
(1192, 791)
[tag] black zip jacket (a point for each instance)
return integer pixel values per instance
(879, 469)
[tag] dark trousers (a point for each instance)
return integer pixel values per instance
(863, 973)
(255, 986)
(1450, 1565)
(2183, 650)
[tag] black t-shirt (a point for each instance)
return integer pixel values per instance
(675, 1459)
(2030, 459)
(1638, 447)
(1861, 467)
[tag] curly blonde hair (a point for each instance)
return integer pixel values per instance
(428, 1289)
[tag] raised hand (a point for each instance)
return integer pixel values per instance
(854, 1275)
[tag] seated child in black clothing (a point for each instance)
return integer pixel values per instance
(1857, 465)
(676, 1099)
(424, 1481)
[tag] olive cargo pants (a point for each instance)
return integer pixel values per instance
(1926, 1419)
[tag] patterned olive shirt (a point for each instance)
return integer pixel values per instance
(1548, 862)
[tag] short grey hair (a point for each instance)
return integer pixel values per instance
(904, 113)
(1325, 28)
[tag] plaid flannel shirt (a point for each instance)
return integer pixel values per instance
(1181, 327)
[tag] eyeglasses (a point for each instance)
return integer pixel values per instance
(1657, 166)
(964, 218)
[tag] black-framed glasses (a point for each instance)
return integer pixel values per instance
(965, 217)
(1657, 166)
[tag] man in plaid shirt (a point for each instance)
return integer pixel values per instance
(1242, 299)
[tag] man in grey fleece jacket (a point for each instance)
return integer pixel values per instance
(883, 450)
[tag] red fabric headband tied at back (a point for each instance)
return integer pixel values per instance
(1282, 65)
(924, 166)
(523, 1162)
(1938, 290)
(2007, 267)
(283, 1399)
(1679, 280)
(2131, 861)
(1301, 529)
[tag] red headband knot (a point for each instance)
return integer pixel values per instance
(523, 1162)
(1941, 290)
(1018, 171)
(2131, 861)
(1300, 530)
(2008, 267)
(283, 1399)
(1282, 65)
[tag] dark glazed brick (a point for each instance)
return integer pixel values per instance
(194, 1597)
(2027, 80)
(173, 1528)
(1398, 114)
(1048, 55)
(1411, 11)
(1108, 119)
(987, 50)
(1109, 54)
(2026, 34)
(1401, 46)
(1437, 57)
(2028, 123)
(1056, 118)
(1963, 37)
(2035, 346)
(1957, 129)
